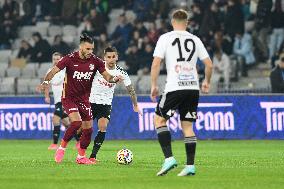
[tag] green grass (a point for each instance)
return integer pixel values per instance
(28, 164)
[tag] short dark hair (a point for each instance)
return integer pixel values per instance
(57, 54)
(180, 15)
(110, 49)
(86, 38)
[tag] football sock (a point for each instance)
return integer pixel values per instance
(86, 138)
(164, 137)
(70, 132)
(77, 136)
(99, 139)
(190, 147)
(56, 133)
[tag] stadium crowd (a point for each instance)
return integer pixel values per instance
(238, 34)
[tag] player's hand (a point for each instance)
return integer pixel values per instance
(205, 87)
(47, 100)
(42, 87)
(154, 93)
(137, 109)
(118, 79)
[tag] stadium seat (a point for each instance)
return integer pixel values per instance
(69, 30)
(7, 85)
(29, 72)
(42, 30)
(22, 86)
(54, 30)
(13, 72)
(5, 55)
(32, 85)
(27, 31)
(144, 84)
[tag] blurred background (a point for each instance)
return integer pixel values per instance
(244, 39)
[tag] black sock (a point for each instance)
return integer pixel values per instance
(99, 139)
(77, 136)
(190, 147)
(164, 137)
(56, 133)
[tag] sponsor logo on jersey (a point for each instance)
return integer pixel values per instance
(92, 66)
(82, 75)
(187, 83)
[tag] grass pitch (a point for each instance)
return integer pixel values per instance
(27, 164)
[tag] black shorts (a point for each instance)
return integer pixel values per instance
(101, 110)
(59, 110)
(185, 101)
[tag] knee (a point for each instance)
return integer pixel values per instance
(55, 120)
(102, 124)
(76, 124)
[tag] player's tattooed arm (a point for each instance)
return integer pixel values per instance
(133, 96)
(131, 92)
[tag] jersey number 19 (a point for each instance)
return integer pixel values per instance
(181, 58)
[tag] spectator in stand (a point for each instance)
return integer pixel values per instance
(60, 46)
(12, 7)
(98, 22)
(277, 54)
(262, 27)
(54, 12)
(153, 33)
(26, 50)
(277, 24)
(277, 76)
(41, 50)
(139, 26)
(83, 8)
(69, 17)
(29, 11)
(234, 18)
(211, 21)
(132, 59)
(221, 70)
(137, 39)
(121, 36)
(142, 9)
(243, 49)
(145, 61)
(101, 44)
(8, 30)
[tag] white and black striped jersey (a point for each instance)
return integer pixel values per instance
(102, 91)
(180, 50)
(57, 85)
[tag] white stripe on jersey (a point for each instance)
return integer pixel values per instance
(102, 91)
(180, 49)
(57, 85)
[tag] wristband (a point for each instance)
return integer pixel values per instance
(45, 82)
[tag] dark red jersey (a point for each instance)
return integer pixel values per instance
(79, 75)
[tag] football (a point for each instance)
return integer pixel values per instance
(124, 156)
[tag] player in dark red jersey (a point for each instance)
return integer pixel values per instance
(81, 67)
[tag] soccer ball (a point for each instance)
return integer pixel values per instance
(124, 156)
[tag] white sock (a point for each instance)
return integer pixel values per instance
(60, 147)
(79, 157)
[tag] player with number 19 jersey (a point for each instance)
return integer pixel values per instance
(180, 49)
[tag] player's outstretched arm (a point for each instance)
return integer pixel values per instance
(155, 70)
(133, 97)
(48, 77)
(110, 78)
(208, 72)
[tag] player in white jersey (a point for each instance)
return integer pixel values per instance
(180, 51)
(102, 94)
